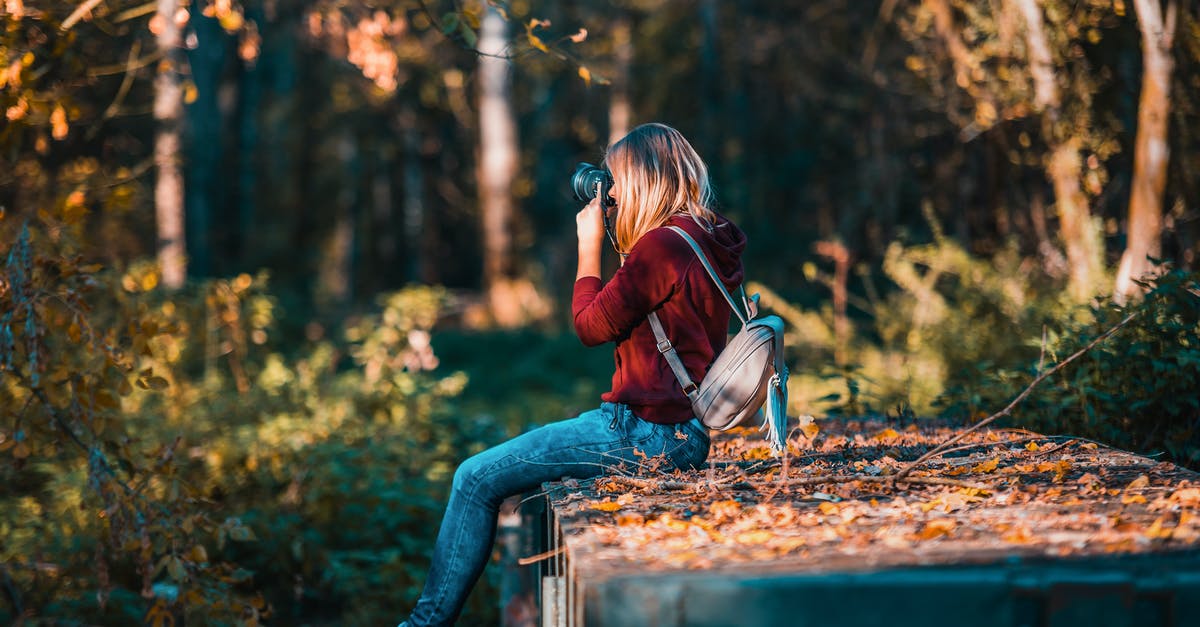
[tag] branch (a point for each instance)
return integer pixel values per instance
(941, 448)
(819, 480)
(83, 9)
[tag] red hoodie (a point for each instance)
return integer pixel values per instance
(662, 274)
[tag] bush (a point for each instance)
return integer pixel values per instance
(1135, 390)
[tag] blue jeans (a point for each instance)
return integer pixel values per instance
(581, 448)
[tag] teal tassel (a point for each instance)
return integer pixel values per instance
(776, 411)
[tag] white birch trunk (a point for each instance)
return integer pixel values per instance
(497, 168)
(168, 184)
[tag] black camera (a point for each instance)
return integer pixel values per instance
(590, 180)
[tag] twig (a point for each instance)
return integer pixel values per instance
(941, 448)
(820, 480)
(532, 559)
(76, 15)
(1052, 449)
(967, 447)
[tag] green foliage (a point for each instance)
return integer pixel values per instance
(1135, 390)
(161, 459)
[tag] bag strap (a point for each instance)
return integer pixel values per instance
(664, 344)
(668, 352)
(742, 315)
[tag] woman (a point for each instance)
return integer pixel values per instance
(658, 180)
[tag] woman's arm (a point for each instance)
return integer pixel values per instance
(589, 226)
(647, 279)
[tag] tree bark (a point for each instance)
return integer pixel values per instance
(618, 107)
(1151, 148)
(497, 167)
(1080, 235)
(168, 116)
(416, 237)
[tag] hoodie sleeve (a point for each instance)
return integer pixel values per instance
(649, 276)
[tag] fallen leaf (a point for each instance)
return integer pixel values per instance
(1137, 484)
(1060, 470)
(754, 537)
(886, 434)
(828, 509)
(1032, 446)
(625, 499)
(987, 466)
(936, 528)
(1187, 497)
(1130, 499)
(808, 426)
(606, 506)
(1157, 530)
(1019, 534)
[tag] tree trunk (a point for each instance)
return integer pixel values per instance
(168, 116)
(1080, 236)
(1151, 148)
(417, 237)
(497, 167)
(618, 106)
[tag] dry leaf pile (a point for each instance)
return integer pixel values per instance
(833, 506)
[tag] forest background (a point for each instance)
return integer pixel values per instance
(271, 268)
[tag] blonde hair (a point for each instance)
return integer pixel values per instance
(658, 175)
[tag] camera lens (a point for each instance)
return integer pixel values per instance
(588, 180)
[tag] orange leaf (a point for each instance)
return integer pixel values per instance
(1032, 446)
(987, 466)
(936, 528)
(1141, 482)
(886, 434)
(808, 426)
(758, 536)
(585, 74)
(606, 506)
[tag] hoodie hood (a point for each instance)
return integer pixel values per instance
(724, 246)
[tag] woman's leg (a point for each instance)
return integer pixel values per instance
(581, 447)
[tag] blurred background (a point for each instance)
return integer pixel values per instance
(273, 267)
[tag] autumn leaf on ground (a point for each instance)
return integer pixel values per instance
(606, 506)
(1157, 530)
(886, 434)
(1137, 484)
(1032, 446)
(937, 528)
(1061, 469)
(808, 426)
(758, 536)
(987, 466)
(1019, 534)
(1187, 497)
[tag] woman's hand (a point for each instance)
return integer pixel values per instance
(589, 227)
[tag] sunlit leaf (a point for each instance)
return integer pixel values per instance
(936, 528)
(808, 426)
(886, 434)
(606, 506)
